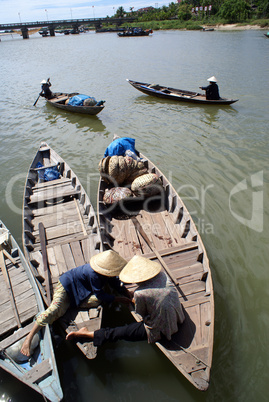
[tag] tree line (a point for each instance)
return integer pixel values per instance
(229, 11)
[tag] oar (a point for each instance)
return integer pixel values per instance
(42, 235)
(39, 94)
(150, 244)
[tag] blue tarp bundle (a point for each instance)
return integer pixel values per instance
(120, 146)
(78, 100)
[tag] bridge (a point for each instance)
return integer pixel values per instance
(52, 25)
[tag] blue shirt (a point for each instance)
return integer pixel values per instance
(82, 281)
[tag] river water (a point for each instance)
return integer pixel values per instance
(216, 157)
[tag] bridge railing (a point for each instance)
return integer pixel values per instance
(55, 23)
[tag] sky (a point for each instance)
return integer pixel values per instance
(15, 11)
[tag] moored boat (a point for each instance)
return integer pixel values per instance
(20, 301)
(135, 32)
(180, 95)
(160, 227)
(60, 232)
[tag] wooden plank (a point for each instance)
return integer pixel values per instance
(161, 260)
(51, 220)
(68, 256)
(60, 241)
(194, 313)
(198, 298)
(60, 187)
(38, 372)
(5, 343)
(54, 183)
(174, 250)
(80, 217)
(57, 231)
(161, 236)
(59, 256)
(77, 253)
(53, 266)
(51, 195)
(53, 209)
(171, 228)
(206, 318)
(9, 287)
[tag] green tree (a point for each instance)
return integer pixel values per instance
(184, 12)
(120, 12)
(235, 10)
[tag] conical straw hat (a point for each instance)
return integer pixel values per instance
(139, 269)
(107, 263)
(212, 79)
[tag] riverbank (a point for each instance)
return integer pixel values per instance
(235, 27)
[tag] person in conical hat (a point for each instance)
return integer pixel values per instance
(83, 286)
(45, 89)
(156, 300)
(211, 90)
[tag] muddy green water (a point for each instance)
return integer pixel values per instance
(216, 157)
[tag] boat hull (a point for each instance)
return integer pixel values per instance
(59, 103)
(178, 95)
(71, 232)
(20, 302)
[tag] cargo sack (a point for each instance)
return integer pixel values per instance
(77, 100)
(120, 146)
(147, 185)
(120, 169)
(91, 101)
(116, 194)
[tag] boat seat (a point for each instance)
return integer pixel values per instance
(59, 99)
(16, 336)
(38, 372)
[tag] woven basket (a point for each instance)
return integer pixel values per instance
(146, 185)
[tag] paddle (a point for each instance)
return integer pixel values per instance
(42, 235)
(150, 244)
(40, 93)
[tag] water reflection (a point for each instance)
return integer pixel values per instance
(82, 122)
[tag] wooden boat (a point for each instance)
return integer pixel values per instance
(161, 228)
(60, 98)
(60, 232)
(135, 32)
(20, 302)
(177, 94)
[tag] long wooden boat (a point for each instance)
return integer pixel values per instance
(71, 237)
(161, 228)
(135, 32)
(20, 301)
(180, 95)
(60, 98)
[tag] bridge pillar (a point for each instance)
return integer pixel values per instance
(52, 32)
(25, 33)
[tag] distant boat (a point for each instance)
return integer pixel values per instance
(20, 301)
(180, 95)
(135, 32)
